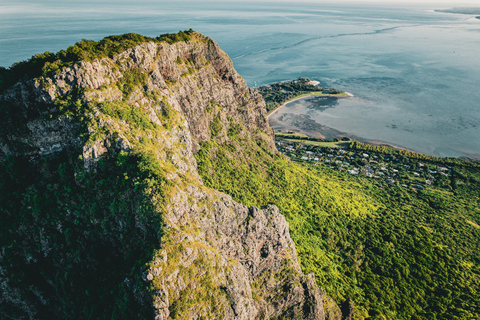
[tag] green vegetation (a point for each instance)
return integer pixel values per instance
(397, 252)
(203, 296)
(411, 154)
(278, 93)
(78, 236)
(301, 138)
(75, 241)
(171, 38)
(46, 63)
(130, 81)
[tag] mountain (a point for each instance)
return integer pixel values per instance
(139, 179)
(103, 211)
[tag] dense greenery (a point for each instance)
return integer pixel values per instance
(294, 136)
(45, 63)
(398, 253)
(278, 93)
(75, 244)
(411, 154)
(74, 241)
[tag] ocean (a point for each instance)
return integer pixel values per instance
(414, 72)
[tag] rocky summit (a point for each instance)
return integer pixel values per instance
(103, 212)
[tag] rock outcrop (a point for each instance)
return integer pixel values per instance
(214, 258)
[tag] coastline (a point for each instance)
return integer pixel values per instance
(320, 131)
(343, 95)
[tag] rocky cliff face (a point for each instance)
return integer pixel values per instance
(148, 108)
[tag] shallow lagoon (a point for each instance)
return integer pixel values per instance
(366, 121)
(414, 72)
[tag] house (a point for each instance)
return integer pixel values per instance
(390, 181)
(416, 174)
(365, 155)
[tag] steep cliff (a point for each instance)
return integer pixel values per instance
(103, 213)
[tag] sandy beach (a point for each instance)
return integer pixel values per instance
(348, 95)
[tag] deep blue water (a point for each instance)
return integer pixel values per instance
(415, 72)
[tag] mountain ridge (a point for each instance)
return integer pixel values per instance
(99, 169)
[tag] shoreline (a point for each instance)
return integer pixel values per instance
(347, 95)
(353, 138)
(324, 132)
(465, 157)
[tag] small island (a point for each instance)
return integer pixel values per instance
(277, 94)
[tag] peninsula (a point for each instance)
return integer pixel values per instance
(279, 93)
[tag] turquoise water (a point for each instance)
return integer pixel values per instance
(415, 73)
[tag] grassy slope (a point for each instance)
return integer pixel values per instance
(399, 254)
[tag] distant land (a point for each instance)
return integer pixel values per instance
(469, 10)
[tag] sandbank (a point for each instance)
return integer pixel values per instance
(321, 94)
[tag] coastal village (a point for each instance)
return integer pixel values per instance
(387, 169)
(401, 171)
